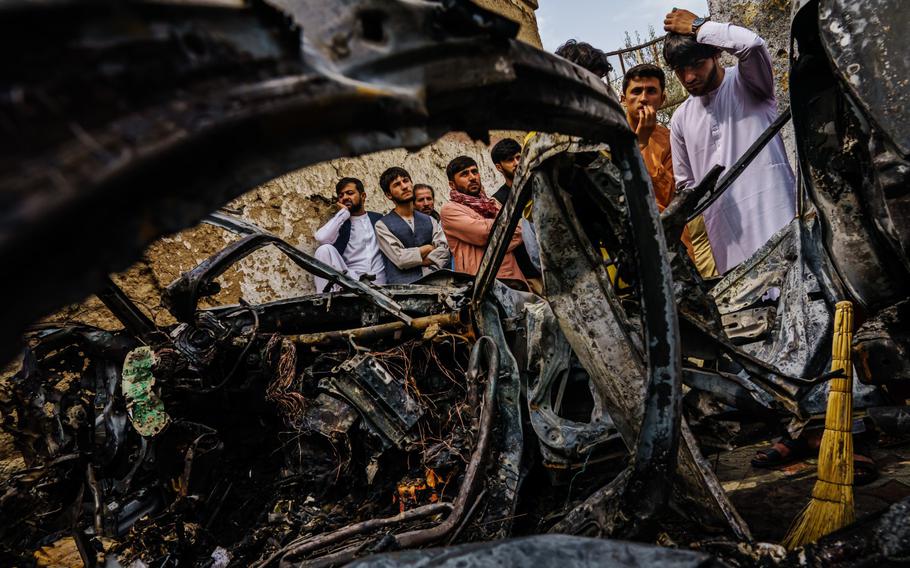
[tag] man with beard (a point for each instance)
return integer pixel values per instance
(468, 220)
(425, 200)
(727, 111)
(505, 155)
(348, 241)
(412, 243)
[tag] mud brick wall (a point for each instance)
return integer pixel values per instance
(293, 206)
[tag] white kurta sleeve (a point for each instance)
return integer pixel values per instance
(682, 169)
(440, 255)
(751, 51)
(328, 233)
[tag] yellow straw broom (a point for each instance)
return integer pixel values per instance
(831, 506)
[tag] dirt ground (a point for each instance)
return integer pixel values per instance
(770, 499)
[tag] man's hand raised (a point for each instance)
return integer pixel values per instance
(679, 21)
(647, 121)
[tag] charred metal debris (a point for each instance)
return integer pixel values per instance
(362, 424)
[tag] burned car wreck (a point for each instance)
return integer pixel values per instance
(256, 406)
(355, 425)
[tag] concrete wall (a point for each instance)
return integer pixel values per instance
(293, 206)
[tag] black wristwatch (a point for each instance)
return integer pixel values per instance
(697, 23)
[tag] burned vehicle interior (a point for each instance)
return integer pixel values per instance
(456, 419)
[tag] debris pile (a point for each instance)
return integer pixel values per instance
(146, 445)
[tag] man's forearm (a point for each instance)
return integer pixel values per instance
(470, 230)
(409, 258)
(402, 257)
(736, 40)
(328, 233)
(748, 48)
(440, 255)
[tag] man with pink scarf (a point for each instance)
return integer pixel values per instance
(468, 220)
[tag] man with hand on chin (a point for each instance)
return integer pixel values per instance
(729, 108)
(348, 241)
(412, 243)
(643, 93)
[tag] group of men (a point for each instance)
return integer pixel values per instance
(413, 239)
(728, 108)
(727, 111)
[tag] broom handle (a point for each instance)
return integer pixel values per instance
(835, 459)
(842, 420)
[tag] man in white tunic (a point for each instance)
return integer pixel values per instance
(348, 241)
(727, 111)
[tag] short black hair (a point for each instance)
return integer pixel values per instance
(425, 186)
(585, 55)
(681, 50)
(344, 182)
(504, 150)
(458, 164)
(390, 175)
(644, 70)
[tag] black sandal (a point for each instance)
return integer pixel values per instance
(783, 452)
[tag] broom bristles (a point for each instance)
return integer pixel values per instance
(831, 507)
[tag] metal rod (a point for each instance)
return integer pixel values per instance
(635, 47)
(377, 331)
(114, 299)
(310, 543)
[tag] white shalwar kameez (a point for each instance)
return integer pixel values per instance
(718, 128)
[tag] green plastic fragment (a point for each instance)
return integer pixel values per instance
(145, 409)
